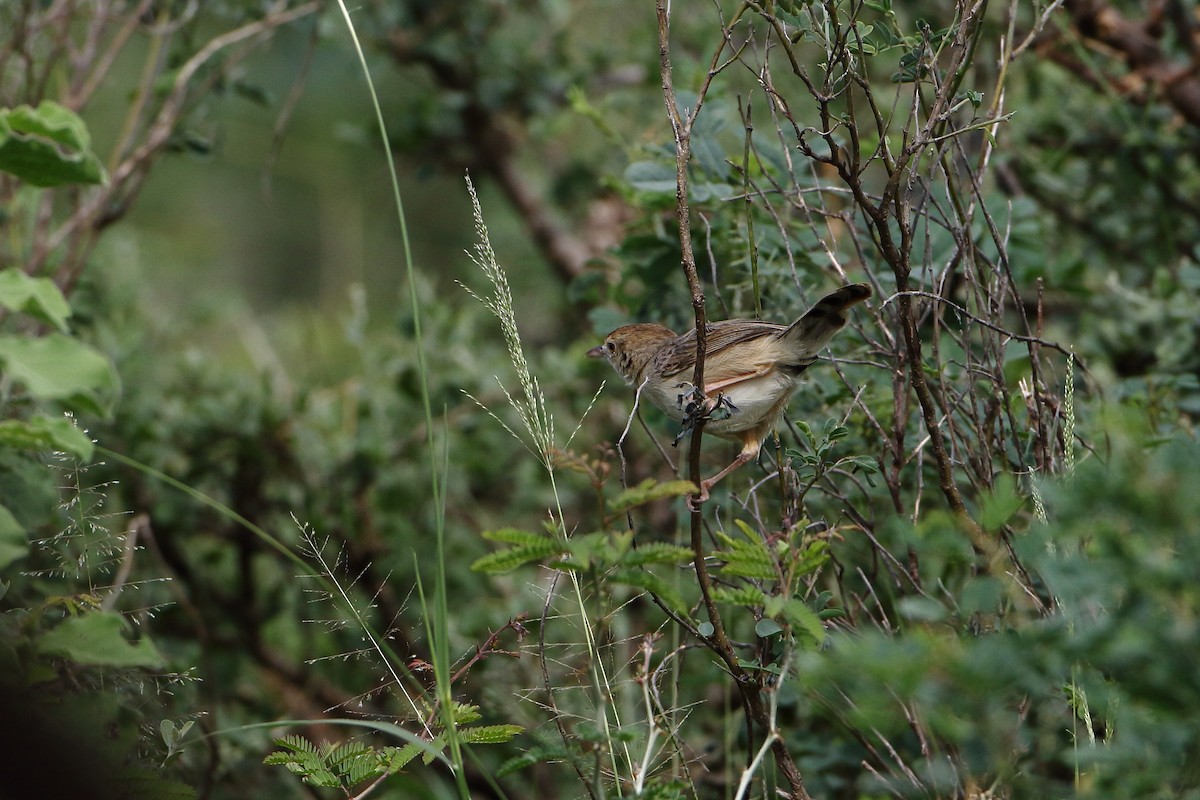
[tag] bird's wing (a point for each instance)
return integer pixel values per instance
(755, 353)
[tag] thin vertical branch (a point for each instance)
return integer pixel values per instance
(681, 125)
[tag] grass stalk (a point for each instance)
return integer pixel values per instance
(539, 439)
(438, 621)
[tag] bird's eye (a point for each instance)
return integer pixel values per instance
(610, 346)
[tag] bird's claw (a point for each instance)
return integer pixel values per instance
(698, 406)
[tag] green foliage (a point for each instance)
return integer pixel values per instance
(1117, 559)
(58, 367)
(900, 649)
(38, 297)
(332, 766)
(61, 643)
(40, 433)
(602, 556)
(47, 146)
(745, 557)
(98, 638)
(526, 547)
(13, 544)
(815, 462)
(349, 764)
(648, 491)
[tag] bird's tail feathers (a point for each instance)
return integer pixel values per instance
(812, 332)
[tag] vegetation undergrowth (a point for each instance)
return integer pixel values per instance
(965, 567)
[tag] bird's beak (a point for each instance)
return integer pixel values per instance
(596, 352)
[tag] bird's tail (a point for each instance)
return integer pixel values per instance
(809, 334)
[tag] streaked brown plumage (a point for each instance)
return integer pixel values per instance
(754, 366)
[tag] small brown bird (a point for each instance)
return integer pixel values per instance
(751, 368)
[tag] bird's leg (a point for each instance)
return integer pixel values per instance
(749, 453)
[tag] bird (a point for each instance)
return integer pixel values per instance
(751, 370)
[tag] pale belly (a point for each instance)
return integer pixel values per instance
(758, 401)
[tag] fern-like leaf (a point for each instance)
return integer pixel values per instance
(465, 713)
(507, 560)
(746, 558)
(543, 754)
(647, 491)
(642, 579)
(302, 757)
(815, 555)
(746, 596)
(490, 734)
(394, 759)
(804, 620)
(658, 553)
(353, 761)
(516, 536)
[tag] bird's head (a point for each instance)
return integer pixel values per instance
(630, 348)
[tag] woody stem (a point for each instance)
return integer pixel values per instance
(681, 125)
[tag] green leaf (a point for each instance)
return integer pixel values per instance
(746, 596)
(975, 98)
(652, 177)
(303, 761)
(1000, 506)
(172, 735)
(303, 758)
(436, 746)
(41, 433)
(659, 553)
(13, 543)
(833, 431)
(642, 579)
(57, 367)
(648, 491)
(767, 627)
(352, 761)
(47, 146)
(815, 556)
(465, 713)
(38, 297)
(490, 734)
(865, 465)
(397, 758)
(509, 559)
(99, 638)
(803, 620)
(516, 536)
(745, 558)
